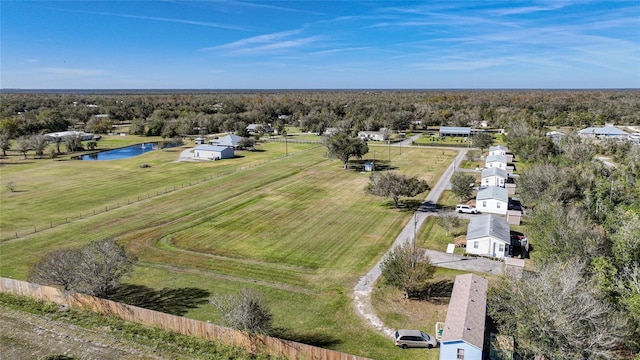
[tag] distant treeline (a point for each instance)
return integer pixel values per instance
(184, 112)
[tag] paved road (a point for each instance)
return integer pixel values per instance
(362, 291)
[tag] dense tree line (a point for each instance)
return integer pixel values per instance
(185, 113)
(583, 299)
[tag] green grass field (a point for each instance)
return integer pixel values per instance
(298, 229)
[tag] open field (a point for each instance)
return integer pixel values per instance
(298, 229)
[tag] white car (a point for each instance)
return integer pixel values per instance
(466, 209)
(414, 338)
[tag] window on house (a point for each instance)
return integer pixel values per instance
(498, 204)
(501, 247)
(484, 204)
(460, 354)
(476, 244)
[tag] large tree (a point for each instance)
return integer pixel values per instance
(482, 140)
(462, 185)
(95, 269)
(343, 146)
(557, 313)
(393, 185)
(408, 268)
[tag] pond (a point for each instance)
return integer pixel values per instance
(125, 152)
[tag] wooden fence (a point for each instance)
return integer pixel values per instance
(181, 325)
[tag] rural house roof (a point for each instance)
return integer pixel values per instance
(211, 148)
(492, 192)
(489, 225)
(500, 158)
(494, 171)
(467, 311)
(229, 140)
(498, 147)
(605, 130)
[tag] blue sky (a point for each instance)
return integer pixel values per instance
(319, 44)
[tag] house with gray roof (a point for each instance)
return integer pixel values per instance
(494, 176)
(492, 199)
(603, 132)
(231, 140)
(463, 332)
(499, 161)
(498, 150)
(488, 235)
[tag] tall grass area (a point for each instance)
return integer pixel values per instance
(299, 229)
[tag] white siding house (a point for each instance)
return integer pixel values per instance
(492, 199)
(494, 176)
(499, 161)
(488, 235)
(208, 152)
(498, 150)
(463, 333)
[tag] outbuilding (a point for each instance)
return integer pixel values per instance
(209, 152)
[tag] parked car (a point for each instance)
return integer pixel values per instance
(466, 209)
(414, 338)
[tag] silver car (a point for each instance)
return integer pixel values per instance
(414, 338)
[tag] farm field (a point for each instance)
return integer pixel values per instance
(298, 229)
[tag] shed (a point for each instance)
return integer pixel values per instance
(369, 166)
(200, 140)
(488, 235)
(463, 333)
(492, 199)
(209, 152)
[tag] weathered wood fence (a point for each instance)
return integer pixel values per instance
(181, 325)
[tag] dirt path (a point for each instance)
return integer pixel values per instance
(362, 291)
(28, 336)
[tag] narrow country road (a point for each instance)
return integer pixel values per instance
(362, 291)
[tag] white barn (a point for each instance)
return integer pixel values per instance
(208, 152)
(499, 161)
(463, 333)
(488, 235)
(494, 176)
(492, 199)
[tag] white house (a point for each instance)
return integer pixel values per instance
(492, 199)
(494, 176)
(499, 161)
(498, 150)
(257, 128)
(463, 332)
(209, 152)
(488, 235)
(63, 135)
(231, 140)
(373, 135)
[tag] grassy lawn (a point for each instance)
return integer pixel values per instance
(298, 229)
(433, 236)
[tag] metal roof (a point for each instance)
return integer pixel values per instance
(492, 192)
(489, 225)
(494, 171)
(455, 130)
(211, 148)
(498, 147)
(467, 311)
(492, 158)
(605, 130)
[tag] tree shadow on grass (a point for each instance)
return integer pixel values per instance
(170, 301)
(438, 292)
(379, 165)
(314, 338)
